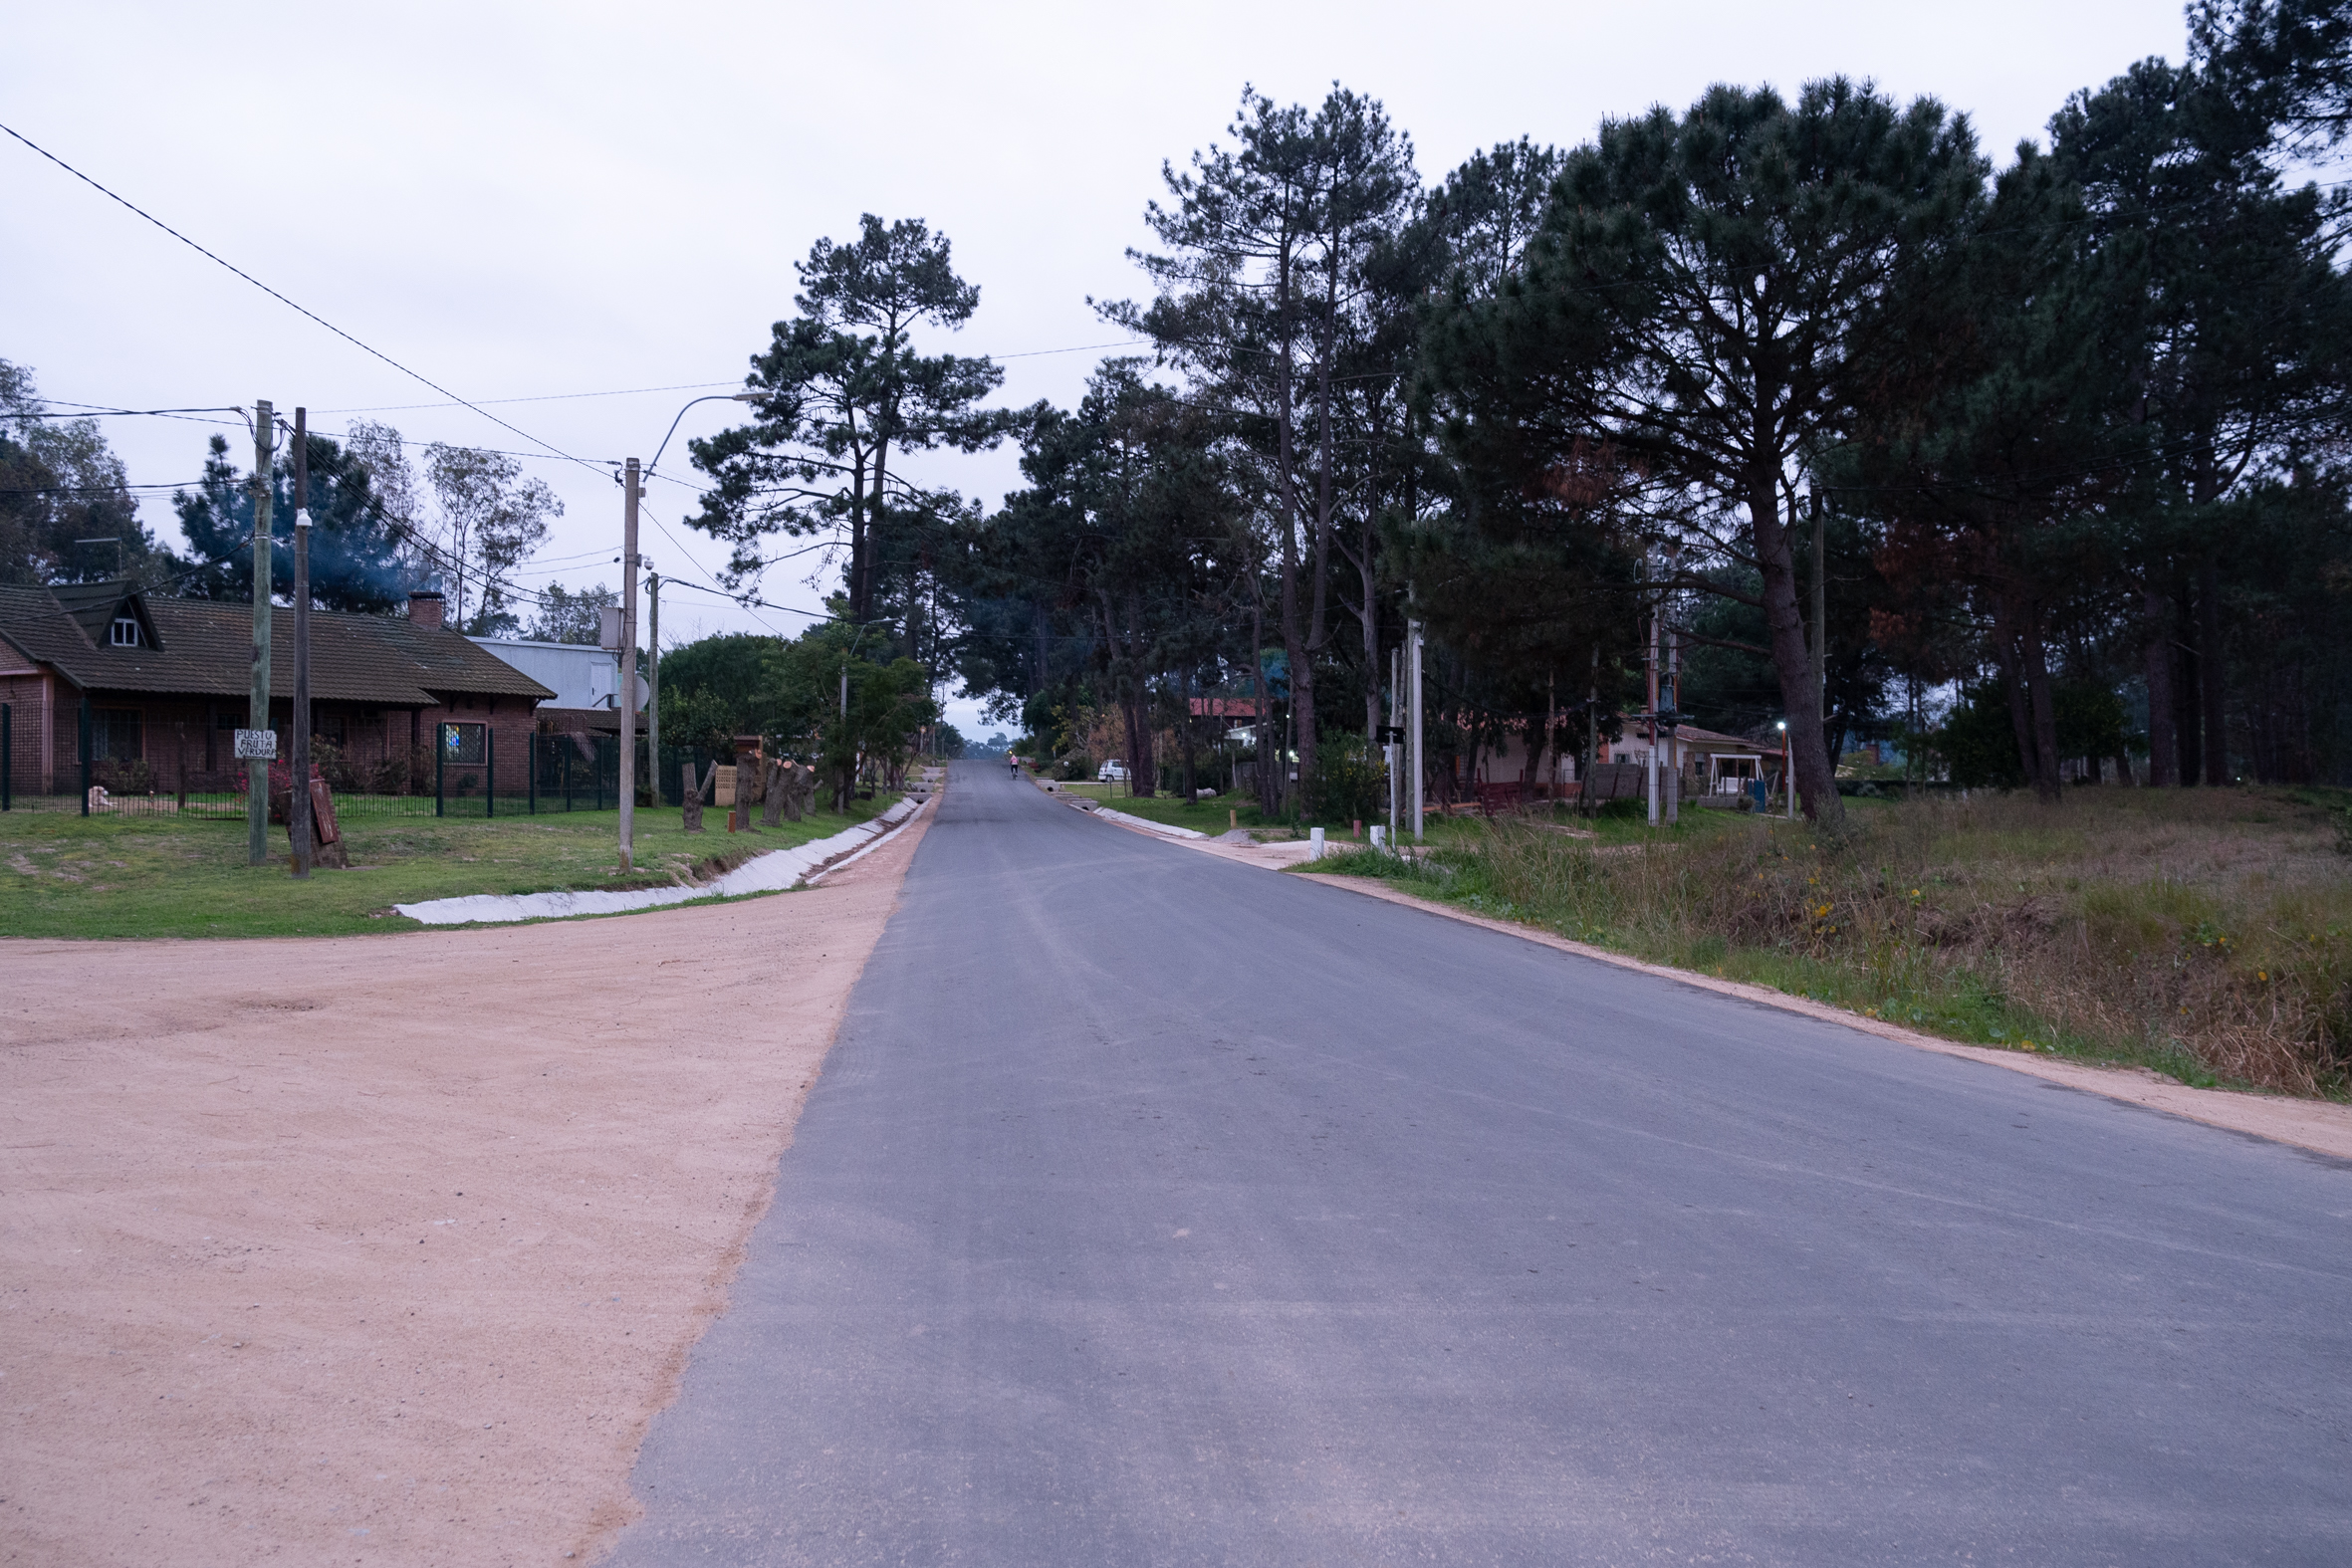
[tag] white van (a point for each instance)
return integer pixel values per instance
(1112, 771)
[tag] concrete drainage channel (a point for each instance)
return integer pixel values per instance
(772, 872)
(1094, 807)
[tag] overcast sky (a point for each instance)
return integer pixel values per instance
(535, 203)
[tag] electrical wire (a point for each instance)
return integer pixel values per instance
(93, 490)
(313, 315)
(107, 411)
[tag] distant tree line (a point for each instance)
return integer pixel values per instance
(1877, 425)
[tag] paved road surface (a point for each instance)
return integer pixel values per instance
(1155, 1210)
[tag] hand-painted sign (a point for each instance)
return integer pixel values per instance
(261, 743)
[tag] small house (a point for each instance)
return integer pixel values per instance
(162, 686)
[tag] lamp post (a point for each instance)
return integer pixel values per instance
(715, 397)
(1787, 779)
(633, 481)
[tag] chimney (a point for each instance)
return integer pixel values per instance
(424, 609)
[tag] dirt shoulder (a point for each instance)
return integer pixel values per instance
(387, 1248)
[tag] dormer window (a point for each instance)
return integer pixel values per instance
(125, 631)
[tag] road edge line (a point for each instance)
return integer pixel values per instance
(2329, 1129)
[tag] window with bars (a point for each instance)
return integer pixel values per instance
(464, 743)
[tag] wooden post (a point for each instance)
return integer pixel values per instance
(257, 709)
(653, 681)
(629, 665)
(297, 767)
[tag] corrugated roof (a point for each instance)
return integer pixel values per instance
(206, 649)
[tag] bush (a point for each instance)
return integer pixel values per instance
(1350, 783)
(134, 777)
(389, 777)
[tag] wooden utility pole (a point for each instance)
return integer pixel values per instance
(634, 493)
(653, 679)
(298, 801)
(257, 712)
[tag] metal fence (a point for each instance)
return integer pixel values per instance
(461, 773)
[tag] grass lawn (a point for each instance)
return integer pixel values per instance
(67, 876)
(2207, 934)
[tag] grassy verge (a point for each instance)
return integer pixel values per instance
(2204, 934)
(65, 875)
(1215, 814)
(1201, 816)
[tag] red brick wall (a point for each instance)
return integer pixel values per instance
(23, 696)
(512, 722)
(178, 733)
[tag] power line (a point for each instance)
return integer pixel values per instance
(550, 397)
(93, 490)
(106, 411)
(378, 354)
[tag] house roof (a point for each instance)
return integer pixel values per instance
(1637, 731)
(202, 647)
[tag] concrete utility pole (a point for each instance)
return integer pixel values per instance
(653, 678)
(298, 804)
(1395, 749)
(1592, 731)
(257, 712)
(1673, 727)
(635, 492)
(1413, 704)
(1656, 607)
(1821, 614)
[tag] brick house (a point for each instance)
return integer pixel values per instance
(165, 684)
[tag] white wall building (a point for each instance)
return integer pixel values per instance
(582, 674)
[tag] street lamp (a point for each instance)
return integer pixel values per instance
(633, 483)
(1787, 777)
(715, 397)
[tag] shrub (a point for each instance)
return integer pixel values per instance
(1350, 783)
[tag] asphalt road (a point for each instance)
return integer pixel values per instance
(1154, 1208)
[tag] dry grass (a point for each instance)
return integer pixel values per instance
(2208, 934)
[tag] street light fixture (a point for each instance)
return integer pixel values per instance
(1787, 777)
(633, 481)
(715, 397)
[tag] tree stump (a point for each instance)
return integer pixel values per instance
(693, 788)
(749, 766)
(771, 792)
